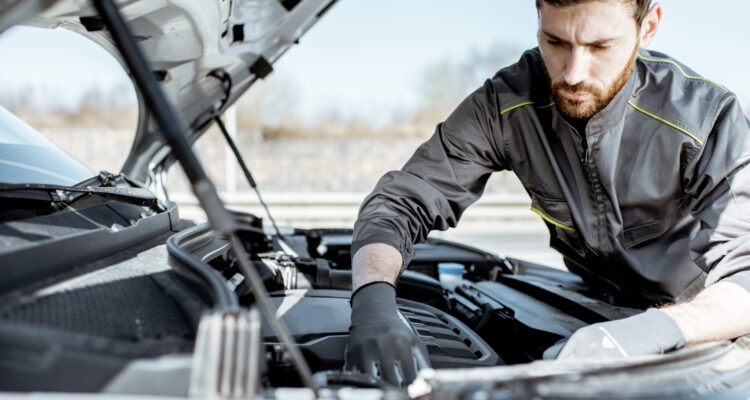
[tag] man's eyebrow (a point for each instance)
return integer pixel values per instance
(598, 42)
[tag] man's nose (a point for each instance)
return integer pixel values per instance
(578, 66)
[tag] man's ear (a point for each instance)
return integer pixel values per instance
(650, 25)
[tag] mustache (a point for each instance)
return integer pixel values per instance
(577, 88)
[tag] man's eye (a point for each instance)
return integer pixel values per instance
(601, 48)
(554, 42)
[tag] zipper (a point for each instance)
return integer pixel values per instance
(585, 146)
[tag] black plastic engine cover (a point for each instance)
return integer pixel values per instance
(527, 314)
(319, 321)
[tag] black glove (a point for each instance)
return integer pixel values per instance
(380, 343)
(652, 332)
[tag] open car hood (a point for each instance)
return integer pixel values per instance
(109, 292)
(204, 53)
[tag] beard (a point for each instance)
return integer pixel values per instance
(599, 97)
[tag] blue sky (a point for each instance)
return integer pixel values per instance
(364, 60)
(368, 54)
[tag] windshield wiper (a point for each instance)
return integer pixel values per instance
(68, 194)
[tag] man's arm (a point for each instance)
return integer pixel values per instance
(720, 312)
(445, 175)
(718, 182)
(376, 262)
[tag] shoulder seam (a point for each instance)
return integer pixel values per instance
(664, 121)
(682, 71)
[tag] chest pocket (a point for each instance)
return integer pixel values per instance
(556, 213)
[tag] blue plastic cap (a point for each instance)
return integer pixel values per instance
(451, 268)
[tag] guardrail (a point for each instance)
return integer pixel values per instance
(340, 209)
(502, 224)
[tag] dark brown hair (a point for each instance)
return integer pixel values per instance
(640, 7)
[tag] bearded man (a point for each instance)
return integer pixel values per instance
(634, 161)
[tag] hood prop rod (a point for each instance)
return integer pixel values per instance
(246, 171)
(175, 130)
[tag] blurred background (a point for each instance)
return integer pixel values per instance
(365, 86)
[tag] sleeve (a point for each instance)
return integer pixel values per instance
(443, 177)
(720, 187)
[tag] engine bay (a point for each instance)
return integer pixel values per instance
(137, 322)
(503, 311)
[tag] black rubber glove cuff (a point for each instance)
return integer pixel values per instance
(379, 291)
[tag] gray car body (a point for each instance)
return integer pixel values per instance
(41, 353)
(206, 54)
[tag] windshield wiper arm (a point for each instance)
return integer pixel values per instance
(61, 193)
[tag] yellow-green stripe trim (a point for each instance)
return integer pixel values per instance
(525, 103)
(535, 51)
(547, 106)
(656, 117)
(552, 221)
(682, 71)
(579, 265)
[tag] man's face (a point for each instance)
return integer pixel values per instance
(589, 51)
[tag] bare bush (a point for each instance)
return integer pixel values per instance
(445, 84)
(96, 108)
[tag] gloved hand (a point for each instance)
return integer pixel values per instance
(379, 341)
(652, 332)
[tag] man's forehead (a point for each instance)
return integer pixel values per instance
(588, 22)
(626, 4)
